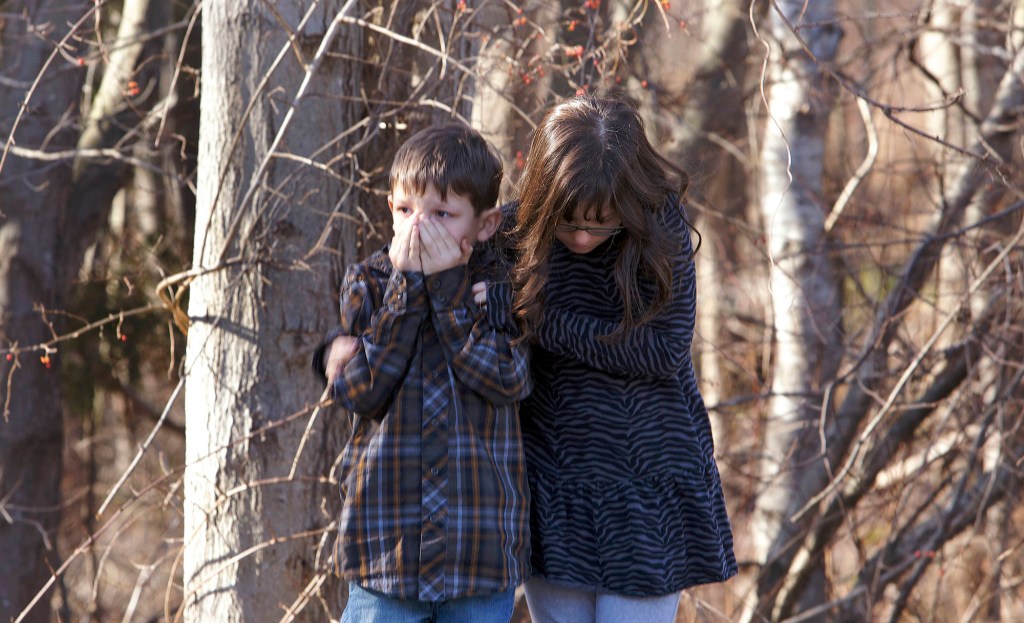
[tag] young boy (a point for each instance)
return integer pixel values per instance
(434, 523)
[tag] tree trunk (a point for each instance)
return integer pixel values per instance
(803, 287)
(130, 87)
(514, 87)
(981, 72)
(31, 429)
(256, 315)
(714, 116)
(938, 57)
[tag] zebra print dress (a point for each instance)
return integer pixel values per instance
(626, 495)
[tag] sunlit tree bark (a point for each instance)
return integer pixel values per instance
(981, 70)
(804, 292)
(260, 301)
(515, 76)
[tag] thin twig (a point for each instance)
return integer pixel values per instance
(311, 71)
(309, 426)
(142, 449)
(39, 78)
(88, 152)
(887, 109)
(177, 67)
(908, 372)
(862, 170)
(292, 611)
(48, 346)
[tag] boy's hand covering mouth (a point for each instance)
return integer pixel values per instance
(405, 247)
(440, 251)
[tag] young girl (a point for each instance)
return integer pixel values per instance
(627, 505)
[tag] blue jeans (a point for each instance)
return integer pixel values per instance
(555, 603)
(366, 606)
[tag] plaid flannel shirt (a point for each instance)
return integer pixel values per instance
(435, 496)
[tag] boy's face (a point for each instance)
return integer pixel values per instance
(455, 214)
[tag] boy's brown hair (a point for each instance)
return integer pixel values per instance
(454, 158)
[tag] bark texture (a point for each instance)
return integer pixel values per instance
(252, 527)
(803, 286)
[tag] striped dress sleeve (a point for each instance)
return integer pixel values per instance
(658, 349)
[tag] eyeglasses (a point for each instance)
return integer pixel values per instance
(568, 228)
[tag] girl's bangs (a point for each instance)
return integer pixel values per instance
(587, 199)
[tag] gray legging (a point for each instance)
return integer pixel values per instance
(556, 603)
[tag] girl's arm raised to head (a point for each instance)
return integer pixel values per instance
(657, 349)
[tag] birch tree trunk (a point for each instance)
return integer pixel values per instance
(267, 190)
(33, 195)
(802, 284)
(713, 117)
(719, 82)
(997, 135)
(981, 71)
(115, 111)
(938, 56)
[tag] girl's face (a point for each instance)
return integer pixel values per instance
(588, 230)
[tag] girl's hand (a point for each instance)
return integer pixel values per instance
(339, 353)
(480, 293)
(440, 250)
(405, 246)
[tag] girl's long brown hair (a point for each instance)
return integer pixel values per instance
(591, 154)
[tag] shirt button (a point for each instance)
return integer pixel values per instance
(435, 471)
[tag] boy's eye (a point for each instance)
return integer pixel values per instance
(443, 213)
(402, 209)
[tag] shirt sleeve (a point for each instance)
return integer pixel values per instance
(479, 343)
(369, 380)
(658, 348)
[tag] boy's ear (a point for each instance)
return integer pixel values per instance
(489, 221)
(391, 204)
